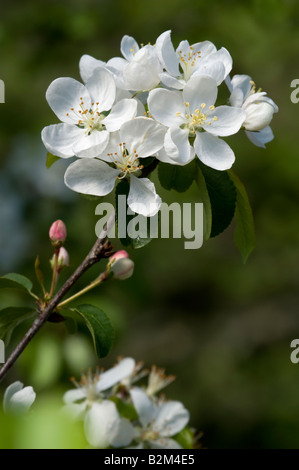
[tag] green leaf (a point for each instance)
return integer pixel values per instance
(185, 438)
(177, 177)
(223, 195)
(10, 318)
(99, 326)
(126, 410)
(205, 199)
(244, 233)
(51, 159)
(122, 189)
(16, 281)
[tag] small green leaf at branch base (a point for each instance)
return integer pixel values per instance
(51, 159)
(15, 281)
(99, 326)
(10, 318)
(244, 233)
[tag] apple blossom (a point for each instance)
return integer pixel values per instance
(85, 126)
(139, 138)
(258, 107)
(120, 265)
(191, 114)
(58, 233)
(17, 398)
(187, 61)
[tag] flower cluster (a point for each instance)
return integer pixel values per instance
(155, 101)
(119, 414)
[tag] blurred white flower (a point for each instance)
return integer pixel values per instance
(17, 398)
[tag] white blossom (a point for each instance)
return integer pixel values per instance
(17, 398)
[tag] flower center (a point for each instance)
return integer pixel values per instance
(188, 61)
(197, 119)
(126, 162)
(88, 119)
(88, 382)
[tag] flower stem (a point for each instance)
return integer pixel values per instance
(93, 284)
(101, 249)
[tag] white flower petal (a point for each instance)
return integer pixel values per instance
(90, 146)
(171, 417)
(165, 443)
(167, 55)
(102, 88)
(213, 69)
(74, 395)
(90, 176)
(121, 112)
(144, 135)
(142, 73)
(258, 116)
(213, 152)
(222, 57)
(75, 410)
(65, 93)
(116, 374)
(167, 107)
(18, 399)
(9, 392)
(260, 138)
(165, 158)
(143, 404)
(228, 120)
(129, 47)
(243, 82)
(200, 89)
(100, 420)
(171, 82)
(87, 66)
(122, 434)
(60, 138)
(143, 198)
(177, 145)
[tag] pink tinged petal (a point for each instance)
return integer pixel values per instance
(143, 198)
(128, 47)
(74, 395)
(260, 138)
(65, 93)
(87, 66)
(171, 82)
(171, 418)
(143, 404)
(200, 89)
(177, 145)
(213, 151)
(90, 146)
(165, 443)
(121, 112)
(100, 421)
(167, 107)
(118, 373)
(167, 55)
(59, 139)
(90, 176)
(144, 135)
(102, 89)
(228, 120)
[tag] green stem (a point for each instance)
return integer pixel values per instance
(55, 273)
(93, 284)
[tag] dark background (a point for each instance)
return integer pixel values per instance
(222, 327)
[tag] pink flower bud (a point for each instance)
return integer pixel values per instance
(120, 265)
(57, 233)
(62, 261)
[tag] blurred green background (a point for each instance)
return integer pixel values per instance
(223, 328)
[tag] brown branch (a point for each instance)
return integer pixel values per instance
(101, 249)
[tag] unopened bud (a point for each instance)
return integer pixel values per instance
(120, 265)
(57, 233)
(62, 261)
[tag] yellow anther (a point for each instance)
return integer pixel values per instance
(212, 107)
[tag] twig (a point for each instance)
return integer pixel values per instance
(101, 249)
